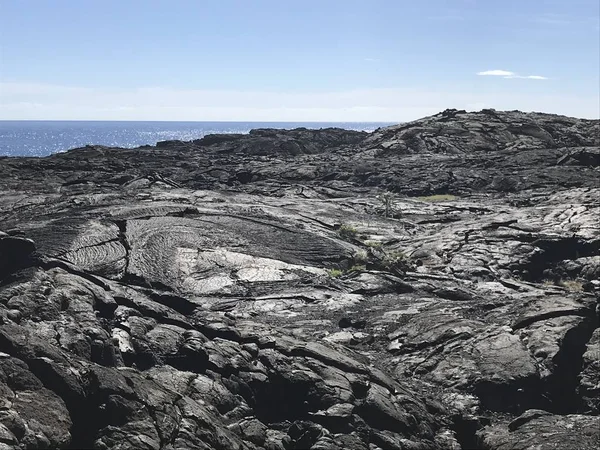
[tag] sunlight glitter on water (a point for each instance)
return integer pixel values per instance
(42, 138)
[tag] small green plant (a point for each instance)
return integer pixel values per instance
(388, 201)
(438, 198)
(335, 273)
(572, 285)
(360, 257)
(373, 244)
(347, 231)
(395, 256)
(396, 260)
(357, 268)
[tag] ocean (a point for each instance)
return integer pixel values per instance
(42, 138)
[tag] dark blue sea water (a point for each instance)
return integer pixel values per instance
(42, 138)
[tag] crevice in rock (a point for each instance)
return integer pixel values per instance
(515, 398)
(195, 362)
(179, 304)
(17, 276)
(149, 312)
(85, 247)
(95, 412)
(17, 253)
(186, 212)
(122, 225)
(334, 424)
(465, 429)
(145, 360)
(83, 411)
(165, 297)
(52, 263)
(130, 279)
(562, 385)
(268, 406)
(551, 315)
(85, 426)
(554, 251)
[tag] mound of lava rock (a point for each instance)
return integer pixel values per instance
(431, 285)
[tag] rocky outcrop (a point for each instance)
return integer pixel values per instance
(456, 132)
(589, 377)
(540, 429)
(277, 142)
(306, 289)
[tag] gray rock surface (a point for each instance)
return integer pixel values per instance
(542, 430)
(432, 285)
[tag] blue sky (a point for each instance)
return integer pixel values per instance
(329, 60)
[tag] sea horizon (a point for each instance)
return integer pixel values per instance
(195, 121)
(38, 138)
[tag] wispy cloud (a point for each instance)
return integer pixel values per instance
(496, 73)
(528, 77)
(508, 74)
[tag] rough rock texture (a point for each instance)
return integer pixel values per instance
(539, 429)
(432, 285)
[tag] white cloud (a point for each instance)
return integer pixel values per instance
(508, 74)
(527, 77)
(39, 101)
(497, 73)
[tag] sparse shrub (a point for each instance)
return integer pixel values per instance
(360, 257)
(388, 201)
(572, 285)
(347, 231)
(335, 273)
(395, 255)
(396, 260)
(373, 244)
